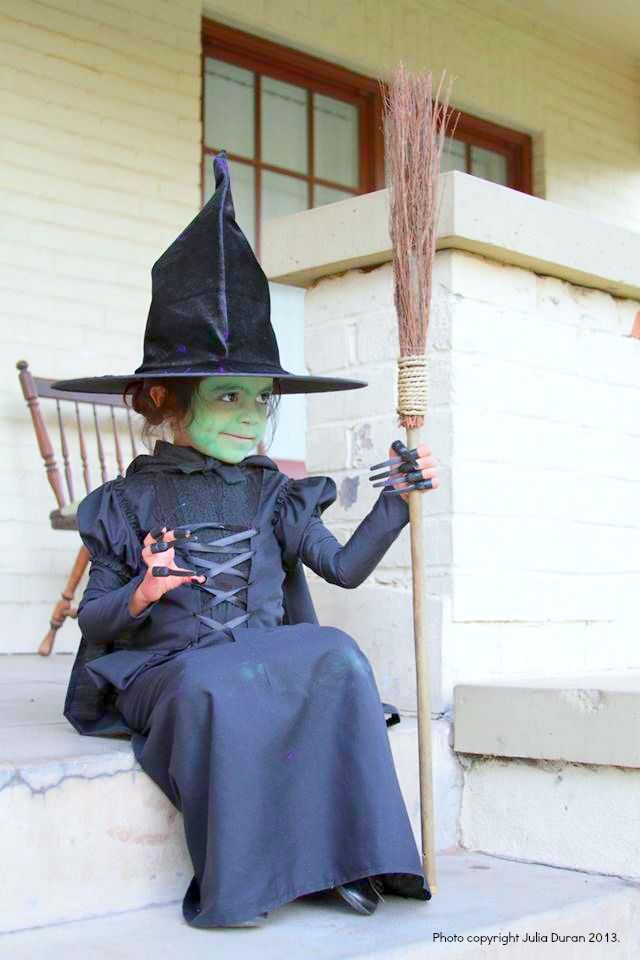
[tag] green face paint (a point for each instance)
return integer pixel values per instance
(229, 416)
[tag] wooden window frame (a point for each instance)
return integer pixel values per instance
(317, 75)
(293, 66)
(515, 147)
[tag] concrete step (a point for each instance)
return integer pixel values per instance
(83, 829)
(485, 907)
(94, 855)
(552, 770)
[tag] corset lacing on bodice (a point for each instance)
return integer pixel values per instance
(196, 553)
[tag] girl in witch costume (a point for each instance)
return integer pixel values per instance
(199, 637)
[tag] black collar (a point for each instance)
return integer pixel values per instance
(172, 457)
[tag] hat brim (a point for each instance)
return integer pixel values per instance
(283, 383)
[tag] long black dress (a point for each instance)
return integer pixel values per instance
(264, 728)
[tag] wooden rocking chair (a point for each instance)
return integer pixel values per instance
(63, 517)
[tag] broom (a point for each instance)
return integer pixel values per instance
(414, 127)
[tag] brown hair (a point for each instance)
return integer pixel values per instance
(178, 403)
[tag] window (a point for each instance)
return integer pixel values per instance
(299, 131)
(490, 151)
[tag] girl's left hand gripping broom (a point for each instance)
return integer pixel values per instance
(414, 136)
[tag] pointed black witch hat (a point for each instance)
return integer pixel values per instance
(210, 309)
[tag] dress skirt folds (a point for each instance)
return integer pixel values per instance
(263, 727)
(276, 750)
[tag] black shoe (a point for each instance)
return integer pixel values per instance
(363, 895)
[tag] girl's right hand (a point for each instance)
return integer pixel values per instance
(152, 588)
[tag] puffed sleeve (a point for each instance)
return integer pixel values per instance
(298, 500)
(116, 567)
(301, 529)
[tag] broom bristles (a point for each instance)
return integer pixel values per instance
(415, 125)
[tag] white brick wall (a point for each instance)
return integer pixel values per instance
(533, 564)
(347, 433)
(99, 170)
(579, 101)
(545, 476)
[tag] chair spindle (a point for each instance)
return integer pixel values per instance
(116, 439)
(101, 457)
(65, 453)
(44, 444)
(83, 453)
(134, 449)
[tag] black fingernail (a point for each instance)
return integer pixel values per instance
(169, 572)
(160, 546)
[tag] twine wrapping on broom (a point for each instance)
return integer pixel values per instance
(413, 386)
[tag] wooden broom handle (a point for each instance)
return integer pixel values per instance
(423, 674)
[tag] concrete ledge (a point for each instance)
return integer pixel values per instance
(478, 216)
(592, 720)
(484, 907)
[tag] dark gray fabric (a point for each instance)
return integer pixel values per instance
(210, 312)
(113, 521)
(276, 751)
(268, 735)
